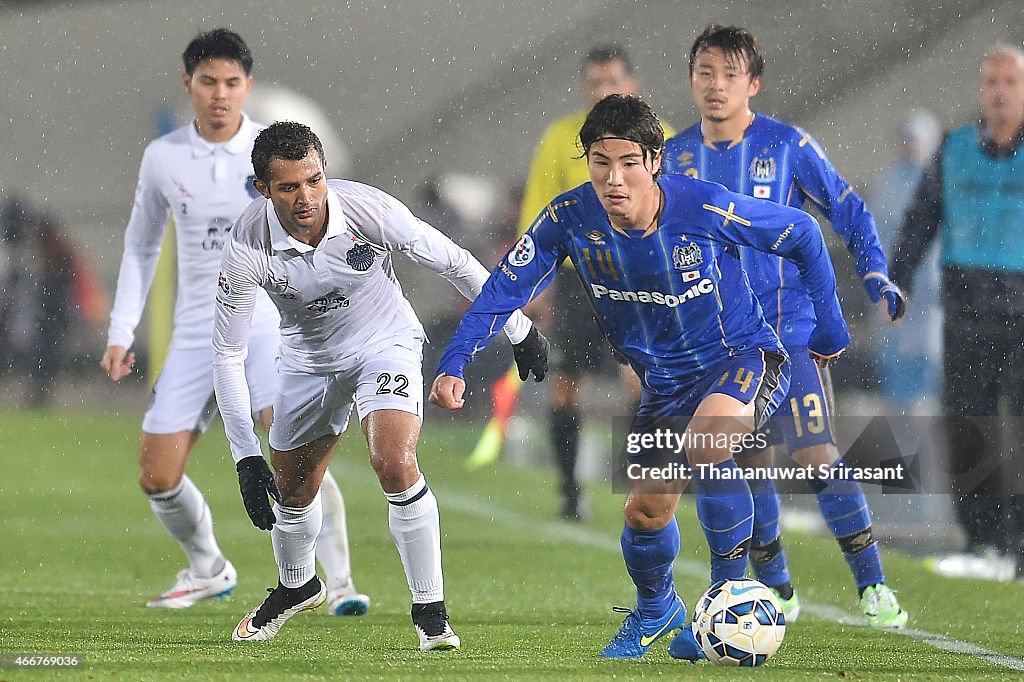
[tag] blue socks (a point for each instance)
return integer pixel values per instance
(845, 510)
(649, 555)
(725, 509)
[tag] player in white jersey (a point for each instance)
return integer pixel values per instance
(201, 174)
(322, 249)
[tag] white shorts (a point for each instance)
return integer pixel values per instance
(310, 406)
(183, 398)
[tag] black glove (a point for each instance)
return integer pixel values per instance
(531, 355)
(256, 482)
(879, 287)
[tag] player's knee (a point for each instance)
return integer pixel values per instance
(644, 518)
(156, 482)
(823, 454)
(302, 496)
(755, 459)
(396, 469)
(707, 455)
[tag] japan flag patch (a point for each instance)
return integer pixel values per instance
(762, 192)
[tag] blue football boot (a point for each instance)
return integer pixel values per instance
(637, 634)
(685, 646)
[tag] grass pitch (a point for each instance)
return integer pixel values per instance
(530, 596)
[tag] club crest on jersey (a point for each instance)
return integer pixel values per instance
(687, 256)
(222, 284)
(216, 234)
(685, 159)
(595, 237)
(523, 252)
(763, 170)
(360, 257)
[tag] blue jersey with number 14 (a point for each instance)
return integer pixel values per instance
(675, 301)
(785, 165)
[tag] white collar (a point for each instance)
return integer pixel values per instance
(240, 142)
(281, 240)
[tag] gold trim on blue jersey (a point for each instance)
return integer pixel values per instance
(549, 211)
(807, 139)
(728, 214)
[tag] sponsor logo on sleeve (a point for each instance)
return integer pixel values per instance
(782, 237)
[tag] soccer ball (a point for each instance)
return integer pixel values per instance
(738, 622)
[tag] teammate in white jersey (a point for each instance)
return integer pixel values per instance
(322, 249)
(202, 175)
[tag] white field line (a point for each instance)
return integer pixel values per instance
(588, 538)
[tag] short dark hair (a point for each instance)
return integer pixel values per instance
(220, 43)
(623, 117)
(735, 42)
(285, 140)
(606, 53)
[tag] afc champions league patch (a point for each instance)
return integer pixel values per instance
(523, 252)
(360, 257)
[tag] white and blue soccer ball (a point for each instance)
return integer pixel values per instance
(739, 622)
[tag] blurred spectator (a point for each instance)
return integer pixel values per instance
(436, 210)
(440, 316)
(910, 355)
(48, 287)
(971, 196)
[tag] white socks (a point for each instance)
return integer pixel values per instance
(332, 543)
(294, 536)
(416, 528)
(186, 516)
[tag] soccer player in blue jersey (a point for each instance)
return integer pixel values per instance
(767, 159)
(657, 258)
